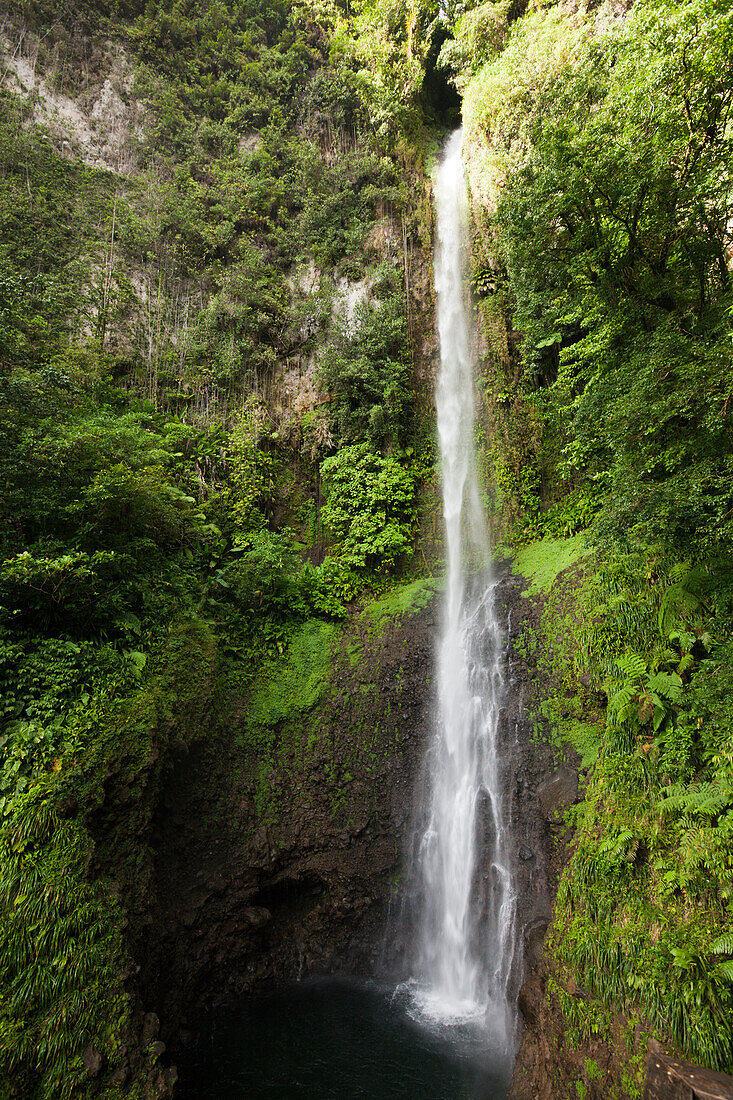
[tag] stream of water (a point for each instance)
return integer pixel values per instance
(467, 913)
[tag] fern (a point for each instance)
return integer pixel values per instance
(685, 594)
(724, 970)
(713, 805)
(668, 685)
(705, 800)
(622, 843)
(621, 704)
(686, 663)
(672, 803)
(684, 639)
(633, 665)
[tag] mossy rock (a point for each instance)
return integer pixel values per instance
(408, 599)
(297, 681)
(542, 562)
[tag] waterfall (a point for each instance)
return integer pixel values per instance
(466, 923)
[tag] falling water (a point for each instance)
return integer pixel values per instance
(467, 903)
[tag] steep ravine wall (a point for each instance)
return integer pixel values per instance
(274, 851)
(244, 892)
(546, 783)
(247, 892)
(246, 852)
(146, 307)
(573, 1044)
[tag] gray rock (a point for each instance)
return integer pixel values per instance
(525, 854)
(92, 1060)
(561, 789)
(151, 1028)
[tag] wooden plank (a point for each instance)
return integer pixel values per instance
(669, 1079)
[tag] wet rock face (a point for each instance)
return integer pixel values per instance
(558, 792)
(529, 770)
(260, 876)
(548, 1066)
(526, 768)
(669, 1079)
(242, 895)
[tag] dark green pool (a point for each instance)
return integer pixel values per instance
(335, 1039)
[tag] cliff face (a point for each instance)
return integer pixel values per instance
(210, 261)
(195, 211)
(101, 122)
(280, 851)
(276, 852)
(257, 836)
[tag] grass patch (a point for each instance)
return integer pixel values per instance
(541, 562)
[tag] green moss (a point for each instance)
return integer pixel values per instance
(542, 561)
(295, 683)
(407, 599)
(355, 653)
(585, 738)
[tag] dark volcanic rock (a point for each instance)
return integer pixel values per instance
(92, 1060)
(531, 998)
(257, 916)
(528, 769)
(534, 940)
(560, 790)
(150, 1029)
(273, 869)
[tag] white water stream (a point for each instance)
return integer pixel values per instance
(467, 904)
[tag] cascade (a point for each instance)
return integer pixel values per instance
(467, 905)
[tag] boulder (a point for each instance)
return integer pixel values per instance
(531, 998)
(257, 916)
(534, 941)
(150, 1029)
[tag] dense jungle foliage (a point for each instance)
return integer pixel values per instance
(171, 520)
(600, 158)
(173, 516)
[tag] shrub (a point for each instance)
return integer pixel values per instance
(369, 506)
